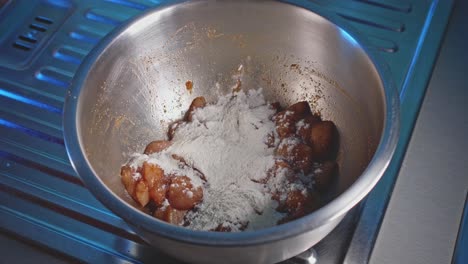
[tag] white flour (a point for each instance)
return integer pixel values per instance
(226, 142)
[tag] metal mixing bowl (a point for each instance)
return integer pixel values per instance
(133, 84)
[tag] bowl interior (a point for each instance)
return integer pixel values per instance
(137, 85)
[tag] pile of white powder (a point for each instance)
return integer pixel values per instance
(226, 142)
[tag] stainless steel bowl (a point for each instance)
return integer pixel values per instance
(133, 84)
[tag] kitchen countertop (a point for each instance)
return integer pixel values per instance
(424, 213)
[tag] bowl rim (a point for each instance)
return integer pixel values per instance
(327, 214)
